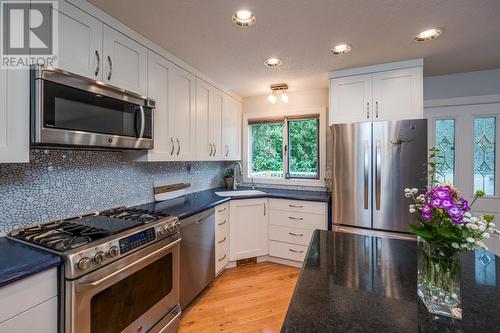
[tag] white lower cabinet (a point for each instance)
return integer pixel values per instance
(248, 230)
(221, 236)
(291, 226)
(30, 305)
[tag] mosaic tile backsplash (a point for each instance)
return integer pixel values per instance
(63, 183)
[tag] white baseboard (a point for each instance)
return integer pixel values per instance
(276, 260)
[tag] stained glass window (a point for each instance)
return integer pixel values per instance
(484, 154)
(445, 143)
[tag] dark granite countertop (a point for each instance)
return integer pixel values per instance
(18, 261)
(357, 283)
(196, 202)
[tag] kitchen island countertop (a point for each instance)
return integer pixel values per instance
(359, 283)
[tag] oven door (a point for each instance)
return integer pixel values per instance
(139, 293)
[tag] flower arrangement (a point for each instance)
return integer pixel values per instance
(445, 227)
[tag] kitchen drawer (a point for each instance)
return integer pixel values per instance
(298, 206)
(297, 220)
(222, 212)
(290, 235)
(221, 255)
(22, 295)
(41, 319)
(221, 229)
(287, 250)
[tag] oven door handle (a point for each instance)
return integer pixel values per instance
(143, 121)
(123, 269)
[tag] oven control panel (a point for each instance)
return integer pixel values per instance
(137, 240)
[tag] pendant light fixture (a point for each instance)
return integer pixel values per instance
(278, 89)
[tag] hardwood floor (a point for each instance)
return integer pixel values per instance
(252, 298)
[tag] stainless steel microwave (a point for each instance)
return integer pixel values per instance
(68, 110)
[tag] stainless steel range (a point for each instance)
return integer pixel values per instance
(121, 270)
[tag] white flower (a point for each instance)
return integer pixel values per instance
(421, 198)
(486, 235)
(468, 215)
(407, 190)
(470, 240)
(414, 190)
(408, 195)
(412, 210)
(455, 245)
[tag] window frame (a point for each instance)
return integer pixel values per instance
(320, 113)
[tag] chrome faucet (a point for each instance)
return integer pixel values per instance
(235, 182)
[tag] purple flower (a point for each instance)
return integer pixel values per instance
(426, 217)
(447, 204)
(426, 209)
(442, 193)
(465, 205)
(456, 214)
(436, 203)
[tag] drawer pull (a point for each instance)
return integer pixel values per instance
(296, 206)
(294, 234)
(221, 210)
(222, 258)
(222, 223)
(295, 218)
(295, 251)
(222, 241)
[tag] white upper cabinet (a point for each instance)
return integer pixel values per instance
(208, 121)
(125, 62)
(351, 98)
(14, 116)
(80, 42)
(248, 231)
(397, 94)
(159, 76)
(182, 114)
(380, 92)
(231, 129)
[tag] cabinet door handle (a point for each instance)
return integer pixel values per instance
(294, 234)
(215, 149)
(211, 149)
(265, 209)
(295, 206)
(225, 221)
(173, 146)
(98, 59)
(227, 150)
(295, 218)
(178, 146)
(222, 241)
(367, 110)
(221, 210)
(376, 109)
(296, 251)
(110, 68)
(222, 258)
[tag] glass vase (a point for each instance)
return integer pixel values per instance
(438, 281)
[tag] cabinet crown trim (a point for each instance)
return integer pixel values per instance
(377, 68)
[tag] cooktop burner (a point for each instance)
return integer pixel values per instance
(64, 235)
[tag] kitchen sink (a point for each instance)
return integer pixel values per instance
(239, 193)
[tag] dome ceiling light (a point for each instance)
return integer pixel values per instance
(244, 18)
(428, 34)
(340, 49)
(273, 62)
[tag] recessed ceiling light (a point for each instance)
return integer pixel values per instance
(273, 62)
(428, 34)
(244, 18)
(340, 49)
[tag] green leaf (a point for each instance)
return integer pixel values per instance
(422, 232)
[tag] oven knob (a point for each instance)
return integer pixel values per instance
(163, 231)
(83, 263)
(113, 252)
(171, 228)
(99, 257)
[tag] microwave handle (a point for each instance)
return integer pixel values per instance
(143, 120)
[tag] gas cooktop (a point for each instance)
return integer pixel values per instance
(71, 233)
(91, 241)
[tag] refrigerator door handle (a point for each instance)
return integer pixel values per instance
(378, 170)
(366, 174)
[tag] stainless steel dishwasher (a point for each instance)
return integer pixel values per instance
(197, 254)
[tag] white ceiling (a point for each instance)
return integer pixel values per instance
(302, 32)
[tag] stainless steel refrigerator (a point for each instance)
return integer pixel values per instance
(373, 162)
